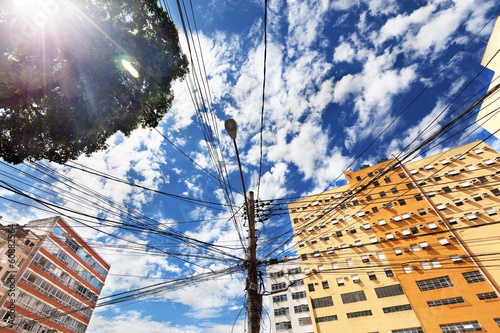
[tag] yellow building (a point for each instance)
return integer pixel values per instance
(404, 249)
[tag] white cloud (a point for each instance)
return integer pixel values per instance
(135, 321)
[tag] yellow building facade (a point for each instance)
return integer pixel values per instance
(405, 248)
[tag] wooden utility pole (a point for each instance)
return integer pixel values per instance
(254, 300)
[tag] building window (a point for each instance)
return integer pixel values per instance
(279, 298)
(470, 167)
(358, 178)
(281, 312)
(446, 301)
(364, 258)
(381, 255)
(322, 302)
(299, 295)
(446, 189)
(286, 325)
(409, 330)
(387, 180)
(355, 278)
(303, 257)
(388, 272)
(432, 225)
(402, 176)
(327, 318)
(344, 247)
(389, 291)
(338, 233)
(389, 236)
(357, 314)
(473, 277)
(296, 283)
(422, 212)
(415, 247)
(410, 186)
(406, 232)
(357, 296)
(340, 282)
(398, 251)
(397, 308)
(349, 262)
(369, 198)
(477, 197)
(335, 265)
(394, 190)
(418, 197)
(443, 241)
(310, 286)
(376, 183)
(407, 269)
(305, 321)
(435, 263)
(301, 308)
(325, 284)
(458, 202)
(466, 326)
(490, 211)
(426, 265)
(402, 202)
(414, 230)
(489, 295)
(497, 321)
(375, 209)
(372, 276)
(358, 243)
(278, 286)
(436, 283)
(373, 240)
(495, 192)
(382, 194)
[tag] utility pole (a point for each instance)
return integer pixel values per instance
(254, 300)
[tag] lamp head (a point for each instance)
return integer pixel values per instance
(230, 126)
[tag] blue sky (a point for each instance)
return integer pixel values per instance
(338, 73)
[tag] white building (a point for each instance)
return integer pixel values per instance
(289, 309)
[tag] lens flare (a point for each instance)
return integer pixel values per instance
(128, 66)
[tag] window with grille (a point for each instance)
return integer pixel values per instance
(278, 286)
(298, 295)
(359, 314)
(310, 286)
(397, 308)
(301, 308)
(281, 312)
(322, 302)
(466, 326)
(326, 318)
(436, 283)
(279, 298)
(489, 295)
(305, 321)
(388, 272)
(284, 325)
(357, 296)
(446, 301)
(473, 277)
(325, 284)
(409, 330)
(294, 270)
(389, 291)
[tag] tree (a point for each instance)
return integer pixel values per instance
(67, 80)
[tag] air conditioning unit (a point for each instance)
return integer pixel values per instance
(346, 278)
(477, 213)
(412, 213)
(391, 219)
(447, 204)
(462, 218)
(374, 223)
(396, 232)
(314, 270)
(421, 226)
(439, 191)
(406, 250)
(452, 158)
(446, 174)
(370, 255)
(479, 164)
(414, 267)
(451, 236)
(429, 209)
(465, 199)
(485, 194)
(381, 238)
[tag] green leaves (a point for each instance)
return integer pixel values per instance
(62, 90)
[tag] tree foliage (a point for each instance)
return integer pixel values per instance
(64, 89)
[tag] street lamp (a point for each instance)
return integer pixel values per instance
(254, 300)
